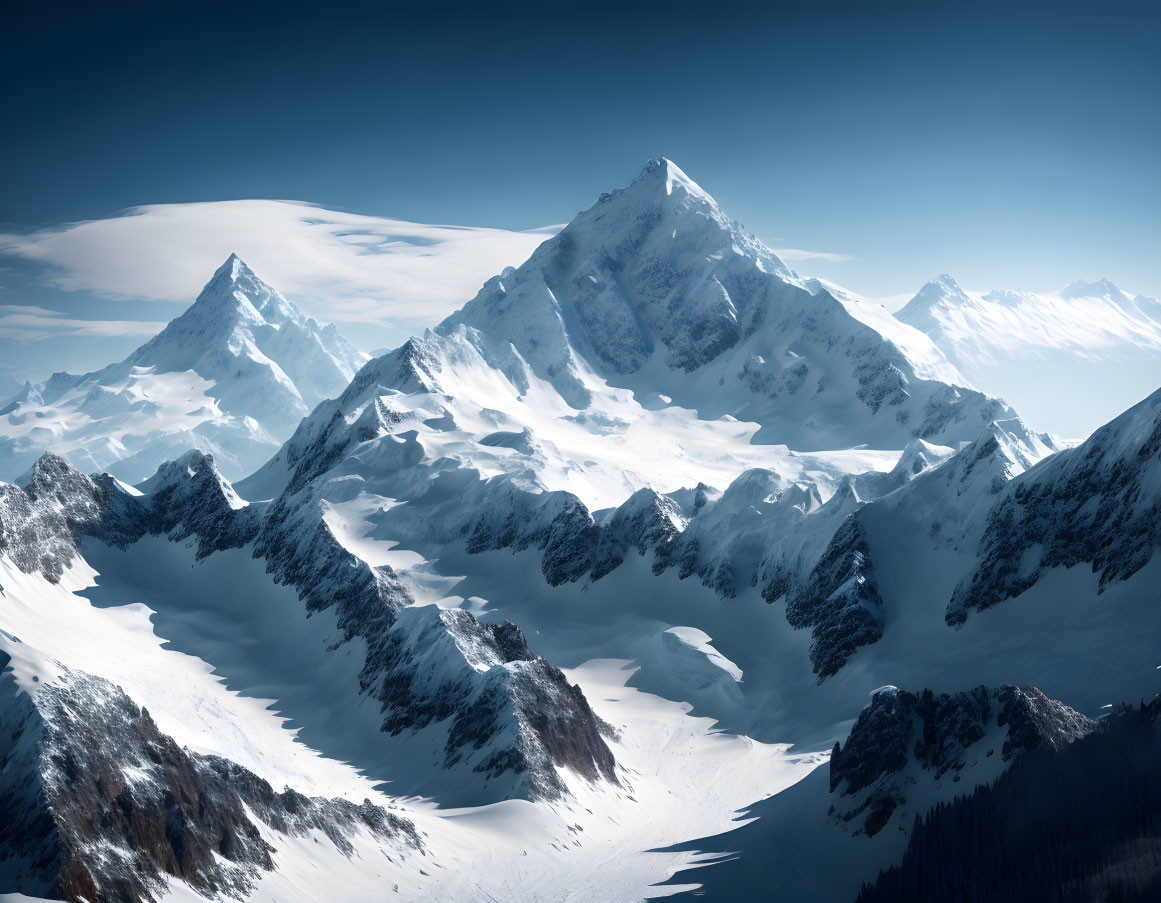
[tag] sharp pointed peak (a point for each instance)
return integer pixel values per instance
(231, 278)
(662, 171)
(234, 267)
(942, 284)
(942, 291)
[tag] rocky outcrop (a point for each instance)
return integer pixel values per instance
(43, 521)
(901, 737)
(840, 600)
(98, 804)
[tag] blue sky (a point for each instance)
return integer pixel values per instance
(1012, 145)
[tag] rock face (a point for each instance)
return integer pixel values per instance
(903, 738)
(840, 600)
(1073, 825)
(97, 804)
(232, 377)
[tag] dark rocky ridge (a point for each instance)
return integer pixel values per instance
(840, 600)
(97, 804)
(42, 527)
(933, 733)
(1073, 825)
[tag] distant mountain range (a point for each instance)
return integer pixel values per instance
(1068, 360)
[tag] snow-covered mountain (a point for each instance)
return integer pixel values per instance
(610, 554)
(231, 376)
(1068, 360)
(654, 289)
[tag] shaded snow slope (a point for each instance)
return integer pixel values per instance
(233, 704)
(1068, 360)
(906, 753)
(231, 376)
(99, 804)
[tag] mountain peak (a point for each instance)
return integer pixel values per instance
(1102, 288)
(236, 266)
(236, 283)
(942, 291)
(663, 171)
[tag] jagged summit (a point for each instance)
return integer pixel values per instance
(663, 173)
(233, 306)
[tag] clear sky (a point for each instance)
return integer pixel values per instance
(1012, 145)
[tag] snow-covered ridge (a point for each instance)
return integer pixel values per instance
(1001, 517)
(98, 803)
(1096, 504)
(231, 376)
(1086, 319)
(514, 719)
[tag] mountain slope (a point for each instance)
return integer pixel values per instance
(98, 804)
(231, 376)
(1068, 360)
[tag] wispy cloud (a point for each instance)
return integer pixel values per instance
(30, 324)
(341, 266)
(796, 255)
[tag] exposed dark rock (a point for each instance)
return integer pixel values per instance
(97, 804)
(900, 732)
(1068, 824)
(42, 526)
(840, 600)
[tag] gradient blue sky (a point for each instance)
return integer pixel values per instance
(1012, 145)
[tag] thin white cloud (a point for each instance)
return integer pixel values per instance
(31, 324)
(797, 255)
(340, 266)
